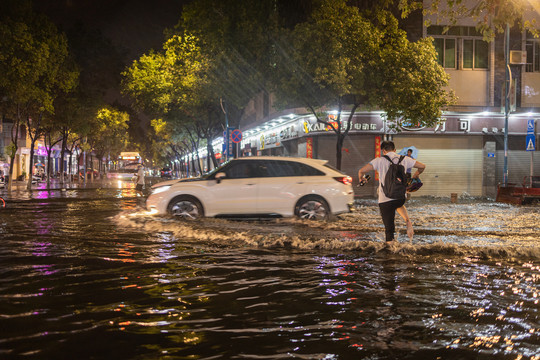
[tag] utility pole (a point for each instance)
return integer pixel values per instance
(226, 133)
(506, 102)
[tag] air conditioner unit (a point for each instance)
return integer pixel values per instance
(518, 57)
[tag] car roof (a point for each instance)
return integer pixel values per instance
(284, 158)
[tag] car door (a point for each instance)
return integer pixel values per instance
(236, 193)
(280, 186)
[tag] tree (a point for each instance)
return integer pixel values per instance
(238, 38)
(338, 60)
(174, 86)
(109, 136)
(34, 67)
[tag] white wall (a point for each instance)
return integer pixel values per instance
(530, 90)
(471, 87)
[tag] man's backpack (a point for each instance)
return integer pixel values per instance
(395, 181)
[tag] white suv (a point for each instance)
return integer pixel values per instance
(258, 187)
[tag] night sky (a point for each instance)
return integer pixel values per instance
(134, 26)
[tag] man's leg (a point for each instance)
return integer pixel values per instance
(388, 214)
(402, 211)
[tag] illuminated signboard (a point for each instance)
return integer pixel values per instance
(129, 156)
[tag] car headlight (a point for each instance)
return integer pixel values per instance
(159, 189)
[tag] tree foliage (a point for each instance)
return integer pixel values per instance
(491, 16)
(340, 60)
(109, 134)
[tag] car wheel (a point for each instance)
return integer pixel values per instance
(185, 207)
(313, 208)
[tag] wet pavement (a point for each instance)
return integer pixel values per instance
(87, 273)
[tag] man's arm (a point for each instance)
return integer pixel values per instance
(420, 167)
(363, 170)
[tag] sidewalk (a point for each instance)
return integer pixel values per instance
(55, 184)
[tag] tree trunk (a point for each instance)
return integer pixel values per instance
(62, 154)
(339, 147)
(70, 166)
(91, 168)
(14, 139)
(211, 154)
(78, 167)
(11, 164)
(31, 175)
(49, 160)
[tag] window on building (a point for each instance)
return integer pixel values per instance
(459, 47)
(532, 47)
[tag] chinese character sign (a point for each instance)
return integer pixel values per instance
(309, 148)
(377, 153)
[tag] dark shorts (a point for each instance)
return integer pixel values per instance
(139, 187)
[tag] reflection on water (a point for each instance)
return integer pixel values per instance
(98, 277)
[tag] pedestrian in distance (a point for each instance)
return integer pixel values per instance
(409, 171)
(139, 181)
(389, 203)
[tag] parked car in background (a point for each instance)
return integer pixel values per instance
(166, 173)
(257, 187)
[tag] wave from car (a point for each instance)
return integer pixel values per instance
(257, 187)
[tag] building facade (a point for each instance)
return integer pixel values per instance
(465, 153)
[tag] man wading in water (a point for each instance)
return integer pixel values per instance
(388, 206)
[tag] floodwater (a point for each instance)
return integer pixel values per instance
(88, 274)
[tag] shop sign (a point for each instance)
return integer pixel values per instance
(309, 148)
(322, 127)
(269, 140)
(411, 125)
(288, 132)
(441, 126)
(465, 125)
(41, 151)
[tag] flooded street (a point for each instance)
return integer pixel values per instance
(89, 274)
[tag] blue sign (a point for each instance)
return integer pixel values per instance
(530, 126)
(230, 144)
(236, 136)
(491, 155)
(530, 142)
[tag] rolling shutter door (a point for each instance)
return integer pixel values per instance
(453, 163)
(519, 165)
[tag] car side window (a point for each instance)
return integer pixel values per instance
(288, 168)
(241, 170)
(306, 170)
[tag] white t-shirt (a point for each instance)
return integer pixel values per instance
(381, 164)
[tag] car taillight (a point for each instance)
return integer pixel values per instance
(347, 180)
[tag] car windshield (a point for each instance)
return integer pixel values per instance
(210, 174)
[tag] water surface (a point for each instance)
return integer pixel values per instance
(91, 275)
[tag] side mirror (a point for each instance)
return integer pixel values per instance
(220, 176)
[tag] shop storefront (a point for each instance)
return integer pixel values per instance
(464, 154)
